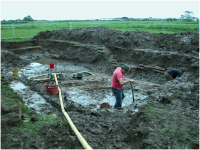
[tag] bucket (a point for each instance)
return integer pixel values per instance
(79, 75)
(51, 65)
(15, 71)
(53, 89)
(103, 105)
(49, 84)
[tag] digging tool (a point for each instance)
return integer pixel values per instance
(132, 91)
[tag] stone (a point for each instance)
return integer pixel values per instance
(165, 100)
(188, 93)
(33, 117)
(14, 139)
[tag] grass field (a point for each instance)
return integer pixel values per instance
(28, 30)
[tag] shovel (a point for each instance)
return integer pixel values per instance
(132, 91)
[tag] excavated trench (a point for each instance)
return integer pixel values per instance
(76, 51)
(90, 91)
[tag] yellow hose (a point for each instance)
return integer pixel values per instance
(55, 79)
(79, 136)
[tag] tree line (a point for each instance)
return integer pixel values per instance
(27, 18)
(188, 16)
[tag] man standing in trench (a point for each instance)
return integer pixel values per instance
(118, 82)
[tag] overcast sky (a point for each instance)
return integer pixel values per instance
(65, 10)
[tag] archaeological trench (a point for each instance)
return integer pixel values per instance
(164, 114)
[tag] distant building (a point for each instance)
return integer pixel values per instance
(137, 19)
(155, 19)
(123, 18)
(145, 19)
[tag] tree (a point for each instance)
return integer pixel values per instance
(125, 18)
(17, 20)
(171, 19)
(28, 18)
(11, 20)
(188, 16)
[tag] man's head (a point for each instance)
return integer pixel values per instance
(125, 68)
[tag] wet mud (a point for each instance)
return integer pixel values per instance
(99, 51)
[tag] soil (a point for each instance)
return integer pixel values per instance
(165, 114)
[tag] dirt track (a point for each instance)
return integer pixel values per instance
(100, 50)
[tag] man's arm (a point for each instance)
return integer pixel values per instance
(122, 82)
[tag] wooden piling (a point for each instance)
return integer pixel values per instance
(20, 113)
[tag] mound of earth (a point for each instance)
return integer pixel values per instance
(11, 59)
(187, 42)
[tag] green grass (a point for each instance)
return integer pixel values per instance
(7, 95)
(31, 29)
(33, 128)
(10, 98)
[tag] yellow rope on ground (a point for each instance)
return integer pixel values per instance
(79, 136)
(55, 79)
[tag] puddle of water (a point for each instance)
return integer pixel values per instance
(35, 64)
(61, 65)
(42, 67)
(17, 86)
(31, 98)
(32, 69)
(48, 61)
(97, 97)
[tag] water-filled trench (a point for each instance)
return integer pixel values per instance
(90, 91)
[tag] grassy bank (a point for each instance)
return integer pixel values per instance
(13, 128)
(28, 30)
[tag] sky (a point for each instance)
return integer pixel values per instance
(71, 10)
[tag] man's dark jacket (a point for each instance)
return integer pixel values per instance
(174, 73)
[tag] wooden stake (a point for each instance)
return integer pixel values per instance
(20, 113)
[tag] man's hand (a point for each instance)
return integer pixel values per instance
(131, 80)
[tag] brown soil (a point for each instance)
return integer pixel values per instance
(167, 118)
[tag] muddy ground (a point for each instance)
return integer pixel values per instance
(163, 115)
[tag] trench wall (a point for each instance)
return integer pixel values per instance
(105, 59)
